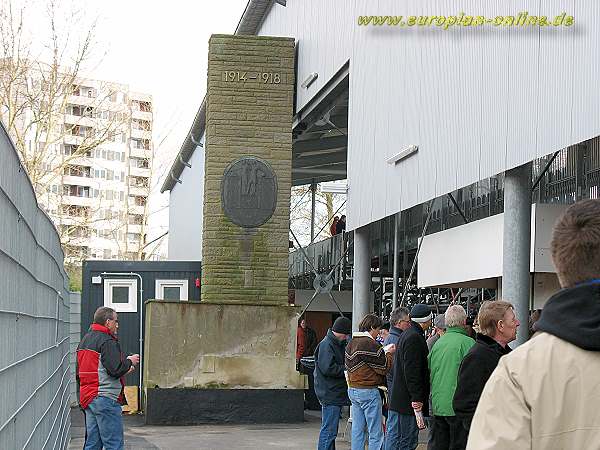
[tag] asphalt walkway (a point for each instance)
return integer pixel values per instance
(139, 436)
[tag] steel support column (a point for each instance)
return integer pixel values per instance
(361, 287)
(313, 191)
(517, 244)
(396, 261)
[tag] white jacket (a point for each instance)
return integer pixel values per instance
(543, 395)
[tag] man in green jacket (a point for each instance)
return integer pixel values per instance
(444, 361)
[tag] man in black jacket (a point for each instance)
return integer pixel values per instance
(400, 321)
(410, 390)
(330, 381)
(498, 327)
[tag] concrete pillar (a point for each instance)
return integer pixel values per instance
(517, 244)
(396, 261)
(361, 285)
(313, 191)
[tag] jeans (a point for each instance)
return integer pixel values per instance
(366, 414)
(104, 425)
(329, 427)
(449, 433)
(409, 432)
(392, 432)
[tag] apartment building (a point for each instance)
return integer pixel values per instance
(97, 171)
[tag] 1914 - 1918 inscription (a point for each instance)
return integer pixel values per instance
(249, 192)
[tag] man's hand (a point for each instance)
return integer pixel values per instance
(131, 369)
(135, 359)
(390, 348)
(417, 406)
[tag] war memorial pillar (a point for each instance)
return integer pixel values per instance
(231, 357)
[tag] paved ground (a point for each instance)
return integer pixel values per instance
(215, 437)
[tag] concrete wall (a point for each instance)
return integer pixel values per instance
(208, 346)
(34, 316)
(247, 117)
(186, 205)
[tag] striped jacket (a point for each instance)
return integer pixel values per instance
(366, 362)
(101, 366)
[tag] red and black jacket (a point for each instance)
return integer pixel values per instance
(101, 366)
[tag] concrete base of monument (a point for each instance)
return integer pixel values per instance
(237, 358)
(181, 406)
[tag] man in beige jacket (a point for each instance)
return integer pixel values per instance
(545, 394)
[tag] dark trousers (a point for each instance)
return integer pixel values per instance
(449, 433)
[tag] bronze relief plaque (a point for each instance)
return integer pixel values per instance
(249, 192)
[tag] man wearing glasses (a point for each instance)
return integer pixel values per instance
(101, 368)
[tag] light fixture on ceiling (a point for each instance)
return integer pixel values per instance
(310, 80)
(326, 120)
(334, 187)
(408, 151)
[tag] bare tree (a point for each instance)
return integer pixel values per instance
(59, 121)
(301, 210)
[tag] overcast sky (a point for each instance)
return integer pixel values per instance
(161, 48)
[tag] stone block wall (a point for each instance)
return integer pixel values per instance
(249, 113)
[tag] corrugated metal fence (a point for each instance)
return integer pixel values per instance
(34, 317)
(75, 337)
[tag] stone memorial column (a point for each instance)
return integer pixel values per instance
(231, 357)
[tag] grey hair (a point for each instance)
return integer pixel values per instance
(399, 314)
(455, 316)
(103, 314)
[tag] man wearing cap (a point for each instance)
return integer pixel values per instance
(439, 325)
(330, 382)
(410, 391)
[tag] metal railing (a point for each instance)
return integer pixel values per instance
(323, 255)
(574, 174)
(34, 316)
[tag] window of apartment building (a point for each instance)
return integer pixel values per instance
(140, 163)
(109, 194)
(120, 294)
(121, 196)
(138, 200)
(143, 144)
(75, 211)
(77, 171)
(136, 219)
(171, 290)
(133, 237)
(110, 175)
(141, 182)
(139, 124)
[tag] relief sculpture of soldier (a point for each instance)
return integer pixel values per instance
(249, 192)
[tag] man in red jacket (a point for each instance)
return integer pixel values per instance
(101, 367)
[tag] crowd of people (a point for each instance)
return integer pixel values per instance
(467, 387)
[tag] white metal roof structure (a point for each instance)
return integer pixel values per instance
(476, 101)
